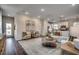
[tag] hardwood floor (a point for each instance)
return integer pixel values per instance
(13, 47)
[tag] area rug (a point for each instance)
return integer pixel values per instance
(34, 47)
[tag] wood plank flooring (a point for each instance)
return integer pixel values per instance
(13, 47)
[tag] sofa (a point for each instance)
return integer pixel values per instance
(34, 34)
(28, 35)
(64, 37)
(61, 37)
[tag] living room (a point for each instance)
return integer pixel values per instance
(40, 29)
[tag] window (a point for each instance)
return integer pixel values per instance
(76, 24)
(55, 26)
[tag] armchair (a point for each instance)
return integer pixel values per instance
(26, 35)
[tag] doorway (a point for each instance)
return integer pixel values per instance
(8, 29)
(8, 26)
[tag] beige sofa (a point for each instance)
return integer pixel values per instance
(26, 35)
(35, 34)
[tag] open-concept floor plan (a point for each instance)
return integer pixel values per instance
(39, 29)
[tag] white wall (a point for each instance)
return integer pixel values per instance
(44, 27)
(37, 25)
(74, 31)
(20, 25)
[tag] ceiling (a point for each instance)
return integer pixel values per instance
(52, 11)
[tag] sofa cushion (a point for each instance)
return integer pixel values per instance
(28, 33)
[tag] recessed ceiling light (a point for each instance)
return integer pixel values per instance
(42, 9)
(26, 13)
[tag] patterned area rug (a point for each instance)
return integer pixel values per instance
(34, 47)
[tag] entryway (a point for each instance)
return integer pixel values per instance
(9, 29)
(8, 26)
